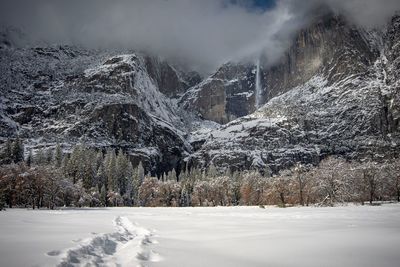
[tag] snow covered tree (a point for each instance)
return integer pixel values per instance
(103, 196)
(121, 170)
(251, 190)
(40, 158)
(2, 200)
(52, 188)
(370, 180)
(236, 183)
(393, 177)
(148, 192)
(111, 170)
(337, 181)
(301, 181)
(128, 195)
(212, 171)
(173, 176)
(140, 171)
(168, 193)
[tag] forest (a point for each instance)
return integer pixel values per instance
(89, 177)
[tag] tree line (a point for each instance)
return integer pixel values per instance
(89, 177)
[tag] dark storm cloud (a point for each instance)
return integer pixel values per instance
(204, 33)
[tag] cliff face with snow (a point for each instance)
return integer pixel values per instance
(329, 47)
(335, 91)
(102, 99)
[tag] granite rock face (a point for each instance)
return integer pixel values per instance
(330, 46)
(336, 91)
(100, 98)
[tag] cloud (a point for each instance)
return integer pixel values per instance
(367, 13)
(202, 33)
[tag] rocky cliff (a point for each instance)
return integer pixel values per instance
(330, 46)
(100, 98)
(335, 91)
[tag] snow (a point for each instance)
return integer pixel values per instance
(221, 236)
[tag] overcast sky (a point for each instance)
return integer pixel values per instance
(205, 33)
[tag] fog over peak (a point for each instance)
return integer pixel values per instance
(204, 34)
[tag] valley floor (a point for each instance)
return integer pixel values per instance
(220, 236)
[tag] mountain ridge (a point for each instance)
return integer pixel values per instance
(333, 93)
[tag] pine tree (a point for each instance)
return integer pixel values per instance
(49, 155)
(267, 171)
(8, 157)
(87, 167)
(17, 150)
(137, 180)
(111, 170)
(99, 159)
(140, 172)
(29, 159)
(129, 183)
(103, 196)
(101, 177)
(64, 164)
(173, 176)
(40, 158)
(58, 156)
(74, 167)
(212, 171)
(121, 172)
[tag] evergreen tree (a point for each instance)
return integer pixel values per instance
(103, 196)
(129, 184)
(87, 167)
(140, 172)
(72, 167)
(101, 177)
(8, 157)
(212, 171)
(173, 176)
(58, 156)
(64, 164)
(121, 172)
(40, 158)
(49, 155)
(17, 150)
(99, 159)
(267, 171)
(137, 180)
(29, 159)
(111, 171)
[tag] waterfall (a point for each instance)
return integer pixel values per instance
(258, 85)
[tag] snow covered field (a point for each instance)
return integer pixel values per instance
(221, 236)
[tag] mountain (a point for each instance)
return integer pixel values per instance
(334, 92)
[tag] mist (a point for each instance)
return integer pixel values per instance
(204, 34)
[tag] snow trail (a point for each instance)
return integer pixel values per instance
(130, 245)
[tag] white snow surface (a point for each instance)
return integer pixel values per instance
(221, 236)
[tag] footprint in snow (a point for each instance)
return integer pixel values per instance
(53, 253)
